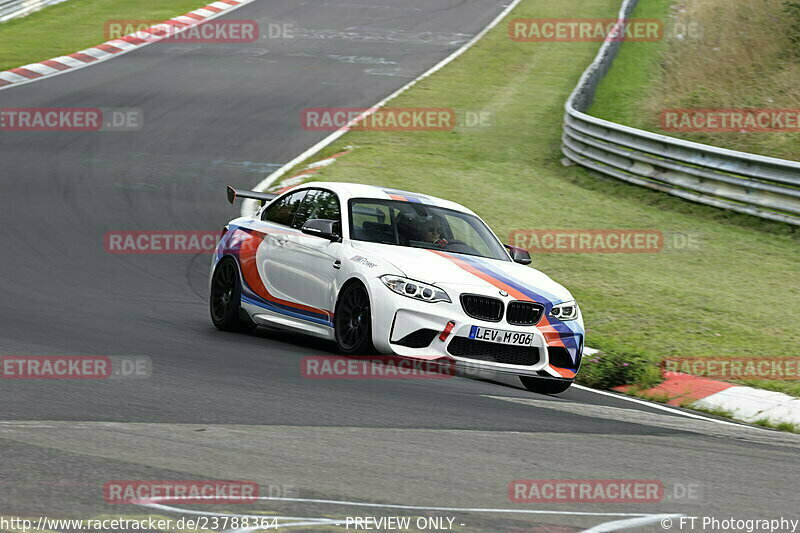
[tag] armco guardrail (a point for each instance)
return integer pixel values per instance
(762, 186)
(16, 8)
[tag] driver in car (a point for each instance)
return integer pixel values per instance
(432, 233)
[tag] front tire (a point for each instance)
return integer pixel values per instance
(545, 386)
(225, 299)
(353, 321)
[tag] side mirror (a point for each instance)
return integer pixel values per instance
(320, 227)
(519, 255)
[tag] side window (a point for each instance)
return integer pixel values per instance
(372, 222)
(306, 209)
(317, 204)
(327, 206)
(283, 210)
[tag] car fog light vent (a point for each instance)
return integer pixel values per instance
(421, 338)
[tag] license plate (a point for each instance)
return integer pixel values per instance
(514, 338)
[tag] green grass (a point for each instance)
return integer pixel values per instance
(715, 411)
(619, 95)
(74, 25)
(780, 426)
(736, 294)
(612, 368)
(735, 55)
(658, 397)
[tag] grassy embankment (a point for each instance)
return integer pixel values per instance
(716, 54)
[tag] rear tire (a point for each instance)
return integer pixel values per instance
(545, 386)
(225, 299)
(353, 321)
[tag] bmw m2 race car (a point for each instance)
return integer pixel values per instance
(400, 273)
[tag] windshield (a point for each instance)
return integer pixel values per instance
(419, 225)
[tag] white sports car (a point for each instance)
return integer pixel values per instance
(378, 269)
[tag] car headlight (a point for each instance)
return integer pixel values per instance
(415, 289)
(565, 311)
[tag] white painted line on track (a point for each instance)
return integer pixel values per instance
(249, 206)
(313, 522)
(628, 517)
(161, 507)
(660, 407)
(617, 525)
(303, 520)
(153, 504)
(449, 509)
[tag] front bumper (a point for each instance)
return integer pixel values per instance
(553, 354)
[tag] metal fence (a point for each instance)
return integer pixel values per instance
(17, 8)
(762, 186)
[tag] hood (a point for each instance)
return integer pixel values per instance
(449, 269)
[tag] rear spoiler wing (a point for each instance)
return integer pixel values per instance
(264, 197)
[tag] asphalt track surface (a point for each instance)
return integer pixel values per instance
(228, 406)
